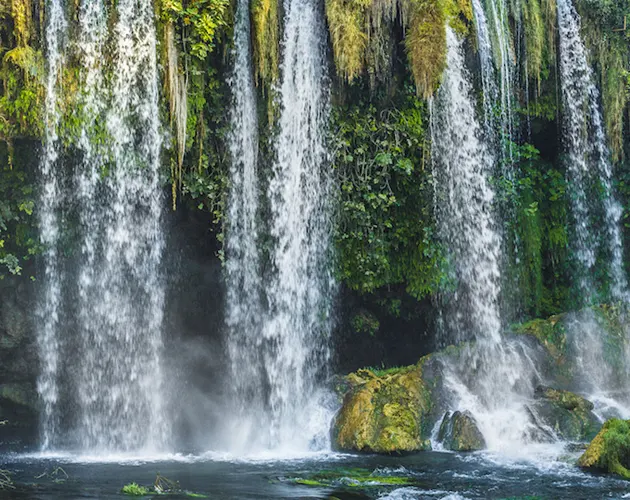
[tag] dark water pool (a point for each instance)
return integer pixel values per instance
(430, 475)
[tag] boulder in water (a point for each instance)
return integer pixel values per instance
(459, 432)
(569, 415)
(385, 412)
(610, 449)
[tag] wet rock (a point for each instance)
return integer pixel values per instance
(459, 432)
(568, 415)
(13, 324)
(21, 394)
(386, 412)
(576, 447)
(609, 451)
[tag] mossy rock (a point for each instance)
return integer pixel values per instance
(550, 334)
(569, 415)
(459, 432)
(390, 413)
(610, 449)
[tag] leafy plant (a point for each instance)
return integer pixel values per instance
(135, 490)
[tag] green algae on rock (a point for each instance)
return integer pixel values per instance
(569, 415)
(610, 449)
(386, 414)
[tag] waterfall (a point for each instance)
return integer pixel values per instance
(280, 355)
(595, 212)
(464, 202)
(493, 377)
(117, 342)
(49, 223)
(244, 314)
(588, 163)
(488, 83)
(299, 193)
(504, 56)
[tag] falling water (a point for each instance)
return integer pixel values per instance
(504, 57)
(588, 162)
(296, 332)
(464, 202)
(244, 315)
(489, 86)
(493, 377)
(596, 213)
(49, 307)
(118, 315)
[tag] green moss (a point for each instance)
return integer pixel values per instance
(610, 449)
(353, 478)
(347, 22)
(568, 414)
(385, 414)
(265, 40)
(549, 332)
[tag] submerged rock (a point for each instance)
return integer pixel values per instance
(459, 432)
(568, 415)
(386, 412)
(610, 449)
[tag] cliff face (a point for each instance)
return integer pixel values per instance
(18, 363)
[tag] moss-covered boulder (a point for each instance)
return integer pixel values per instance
(386, 412)
(610, 449)
(554, 335)
(550, 333)
(569, 415)
(459, 432)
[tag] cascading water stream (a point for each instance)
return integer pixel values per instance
(595, 212)
(489, 86)
(588, 162)
(499, 39)
(279, 351)
(117, 347)
(299, 292)
(493, 377)
(464, 199)
(244, 314)
(49, 223)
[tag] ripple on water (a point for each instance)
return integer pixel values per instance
(416, 493)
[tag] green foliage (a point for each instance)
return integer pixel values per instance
(539, 229)
(385, 230)
(135, 490)
(201, 19)
(366, 323)
(18, 242)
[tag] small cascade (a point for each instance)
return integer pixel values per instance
(49, 222)
(588, 164)
(116, 341)
(488, 77)
(505, 64)
(492, 377)
(596, 223)
(279, 352)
